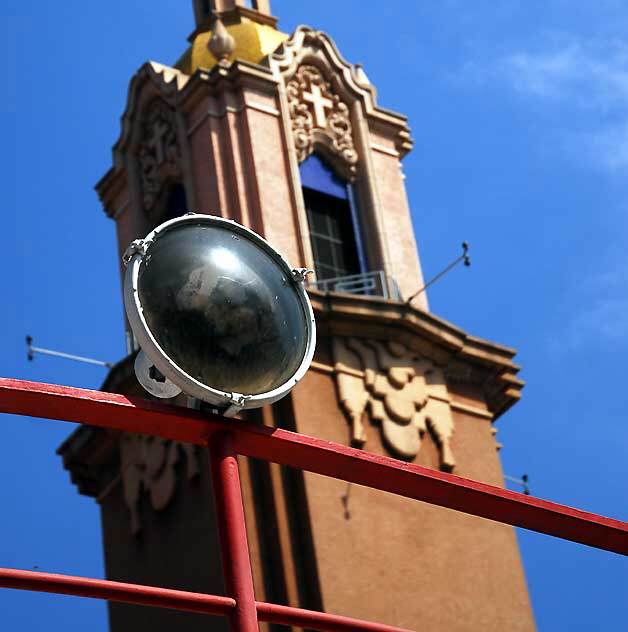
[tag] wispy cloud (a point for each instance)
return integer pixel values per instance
(579, 77)
(590, 75)
(606, 146)
(583, 85)
(601, 318)
(604, 322)
(589, 79)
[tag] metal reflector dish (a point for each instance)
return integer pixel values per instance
(218, 312)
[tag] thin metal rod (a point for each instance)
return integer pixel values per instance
(236, 564)
(313, 620)
(523, 482)
(109, 410)
(177, 599)
(116, 591)
(61, 354)
(463, 257)
(69, 356)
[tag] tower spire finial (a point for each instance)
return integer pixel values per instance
(221, 44)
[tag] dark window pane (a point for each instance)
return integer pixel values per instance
(340, 257)
(176, 203)
(332, 234)
(318, 221)
(324, 252)
(336, 225)
(326, 272)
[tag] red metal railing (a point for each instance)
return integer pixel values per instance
(225, 439)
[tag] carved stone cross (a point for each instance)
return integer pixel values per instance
(318, 113)
(158, 139)
(319, 103)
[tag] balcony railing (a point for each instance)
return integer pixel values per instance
(366, 283)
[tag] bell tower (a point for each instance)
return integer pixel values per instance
(283, 135)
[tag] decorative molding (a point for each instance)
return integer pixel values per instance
(109, 187)
(228, 109)
(471, 410)
(322, 367)
(152, 80)
(166, 75)
(148, 463)
(159, 152)
(120, 211)
(385, 150)
(259, 107)
(390, 384)
(319, 116)
(467, 359)
(308, 46)
(476, 411)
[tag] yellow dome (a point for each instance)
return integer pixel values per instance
(253, 42)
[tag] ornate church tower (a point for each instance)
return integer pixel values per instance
(282, 134)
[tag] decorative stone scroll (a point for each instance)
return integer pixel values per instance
(404, 392)
(317, 113)
(159, 153)
(148, 463)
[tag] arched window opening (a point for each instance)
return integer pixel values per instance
(333, 221)
(176, 203)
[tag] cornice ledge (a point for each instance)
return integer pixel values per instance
(490, 351)
(388, 312)
(465, 357)
(151, 80)
(237, 73)
(89, 455)
(394, 126)
(317, 47)
(226, 77)
(121, 376)
(109, 186)
(156, 79)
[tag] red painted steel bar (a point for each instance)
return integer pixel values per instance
(178, 599)
(236, 565)
(323, 457)
(116, 591)
(274, 613)
(107, 410)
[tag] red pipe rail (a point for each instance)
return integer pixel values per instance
(232, 531)
(110, 410)
(180, 600)
(225, 439)
(116, 591)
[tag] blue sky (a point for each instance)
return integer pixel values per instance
(519, 111)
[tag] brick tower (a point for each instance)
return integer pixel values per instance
(282, 134)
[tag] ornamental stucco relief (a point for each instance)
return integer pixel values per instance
(148, 464)
(318, 114)
(402, 391)
(159, 153)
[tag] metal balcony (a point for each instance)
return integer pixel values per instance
(366, 284)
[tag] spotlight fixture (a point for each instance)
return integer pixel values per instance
(218, 313)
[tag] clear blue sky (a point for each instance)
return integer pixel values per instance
(519, 111)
